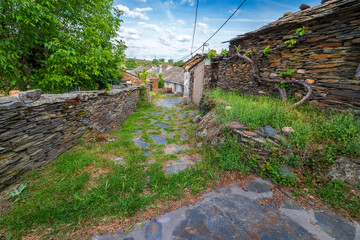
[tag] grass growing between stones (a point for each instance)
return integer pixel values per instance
(83, 186)
(319, 138)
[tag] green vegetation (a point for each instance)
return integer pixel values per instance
(171, 61)
(238, 49)
(212, 54)
(161, 81)
(292, 41)
(266, 51)
(143, 75)
(337, 130)
(288, 73)
(248, 53)
(224, 52)
(232, 156)
(155, 62)
(301, 31)
(319, 137)
(179, 63)
(143, 62)
(56, 45)
(130, 63)
(18, 193)
(340, 196)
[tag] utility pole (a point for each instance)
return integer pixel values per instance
(204, 45)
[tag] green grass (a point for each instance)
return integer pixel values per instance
(340, 196)
(338, 131)
(320, 137)
(63, 196)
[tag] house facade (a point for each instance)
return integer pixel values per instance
(194, 78)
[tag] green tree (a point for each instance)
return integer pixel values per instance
(171, 61)
(54, 45)
(162, 60)
(179, 63)
(130, 63)
(161, 81)
(155, 62)
(143, 75)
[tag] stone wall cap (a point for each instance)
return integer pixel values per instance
(7, 104)
(63, 97)
(328, 8)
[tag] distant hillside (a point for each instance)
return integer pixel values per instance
(141, 62)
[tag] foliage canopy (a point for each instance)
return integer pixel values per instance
(179, 63)
(143, 75)
(155, 62)
(131, 63)
(55, 45)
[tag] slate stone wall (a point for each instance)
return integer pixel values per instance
(329, 54)
(31, 135)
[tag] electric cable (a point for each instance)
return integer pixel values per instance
(214, 32)
(196, 15)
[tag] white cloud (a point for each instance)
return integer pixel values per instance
(144, 1)
(141, 10)
(150, 26)
(183, 38)
(128, 34)
(136, 13)
(190, 2)
(203, 27)
(180, 21)
(165, 41)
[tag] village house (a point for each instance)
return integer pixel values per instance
(194, 78)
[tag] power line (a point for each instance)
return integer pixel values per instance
(214, 32)
(196, 14)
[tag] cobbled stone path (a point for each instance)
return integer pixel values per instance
(233, 212)
(168, 109)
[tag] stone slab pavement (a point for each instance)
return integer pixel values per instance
(233, 213)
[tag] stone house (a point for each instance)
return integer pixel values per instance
(328, 55)
(194, 78)
(174, 79)
(153, 84)
(130, 77)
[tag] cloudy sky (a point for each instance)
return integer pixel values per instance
(163, 28)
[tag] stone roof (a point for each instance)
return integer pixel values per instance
(326, 9)
(192, 62)
(131, 72)
(174, 74)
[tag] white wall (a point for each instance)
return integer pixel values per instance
(179, 88)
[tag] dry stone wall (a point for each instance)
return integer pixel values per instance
(329, 54)
(31, 135)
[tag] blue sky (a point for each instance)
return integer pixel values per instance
(163, 28)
